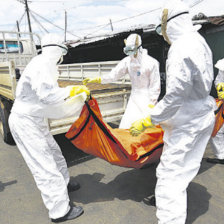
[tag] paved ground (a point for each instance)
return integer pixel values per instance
(109, 194)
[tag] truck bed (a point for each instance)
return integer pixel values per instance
(96, 88)
(112, 100)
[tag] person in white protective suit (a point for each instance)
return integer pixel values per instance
(217, 142)
(145, 80)
(186, 112)
(38, 97)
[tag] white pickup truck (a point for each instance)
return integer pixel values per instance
(15, 54)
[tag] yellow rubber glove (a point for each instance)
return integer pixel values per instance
(140, 125)
(220, 86)
(91, 80)
(220, 90)
(151, 106)
(221, 95)
(79, 89)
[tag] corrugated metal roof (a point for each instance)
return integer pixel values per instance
(217, 20)
(198, 19)
(95, 38)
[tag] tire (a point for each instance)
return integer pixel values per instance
(5, 108)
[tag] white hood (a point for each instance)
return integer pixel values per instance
(180, 25)
(53, 53)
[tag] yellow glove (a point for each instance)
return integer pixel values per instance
(221, 95)
(151, 106)
(91, 80)
(79, 89)
(220, 90)
(140, 125)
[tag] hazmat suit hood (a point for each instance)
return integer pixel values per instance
(179, 21)
(133, 44)
(53, 51)
(53, 47)
(134, 41)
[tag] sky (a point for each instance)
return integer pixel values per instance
(91, 17)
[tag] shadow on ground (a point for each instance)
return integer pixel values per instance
(3, 185)
(198, 202)
(133, 184)
(205, 166)
(72, 154)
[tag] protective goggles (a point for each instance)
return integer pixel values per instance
(63, 47)
(131, 50)
(159, 27)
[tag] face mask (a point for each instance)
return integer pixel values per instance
(131, 50)
(161, 29)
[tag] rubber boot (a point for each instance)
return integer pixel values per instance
(73, 186)
(215, 160)
(73, 213)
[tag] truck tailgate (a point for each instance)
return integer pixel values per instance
(112, 99)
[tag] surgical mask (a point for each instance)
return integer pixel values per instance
(161, 29)
(131, 50)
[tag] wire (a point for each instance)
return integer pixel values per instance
(106, 24)
(121, 20)
(21, 1)
(19, 21)
(25, 25)
(53, 23)
(34, 18)
(51, 1)
(131, 17)
(196, 3)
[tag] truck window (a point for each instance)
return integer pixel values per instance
(11, 47)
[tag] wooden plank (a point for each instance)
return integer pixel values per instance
(6, 93)
(5, 79)
(7, 75)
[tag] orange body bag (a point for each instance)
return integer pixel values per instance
(219, 117)
(92, 135)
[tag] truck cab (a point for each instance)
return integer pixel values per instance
(16, 52)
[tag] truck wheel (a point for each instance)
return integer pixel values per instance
(4, 126)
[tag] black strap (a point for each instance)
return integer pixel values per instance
(177, 15)
(101, 126)
(55, 45)
(149, 153)
(216, 111)
(173, 18)
(74, 137)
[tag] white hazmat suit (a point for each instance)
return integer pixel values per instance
(38, 96)
(186, 113)
(145, 82)
(217, 142)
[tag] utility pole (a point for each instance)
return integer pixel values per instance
(111, 26)
(65, 24)
(17, 23)
(28, 18)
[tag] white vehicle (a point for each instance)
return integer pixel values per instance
(15, 54)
